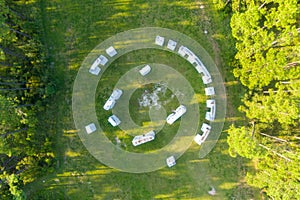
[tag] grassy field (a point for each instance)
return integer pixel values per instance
(71, 30)
(139, 116)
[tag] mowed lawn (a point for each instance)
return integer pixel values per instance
(71, 29)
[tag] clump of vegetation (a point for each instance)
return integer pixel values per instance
(267, 40)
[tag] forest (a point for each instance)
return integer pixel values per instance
(25, 85)
(266, 63)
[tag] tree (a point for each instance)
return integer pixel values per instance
(268, 54)
(278, 178)
(24, 151)
(8, 116)
(276, 106)
(13, 182)
(277, 172)
(241, 143)
(267, 41)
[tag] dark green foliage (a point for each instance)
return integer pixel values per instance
(25, 152)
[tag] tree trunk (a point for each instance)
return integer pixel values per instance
(12, 83)
(7, 77)
(21, 170)
(273, 137)
(292, 64)
(5, 164)
(21, 33)
(17, 13)
(5, 64)
(24, 105)
(11, 52)
(227, 2)
(13, 132)
(13, 89)
(275, 91)
(278, 154)
(253, 129)
(297, 137)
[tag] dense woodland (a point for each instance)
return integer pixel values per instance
(267, 63)
(25, 151)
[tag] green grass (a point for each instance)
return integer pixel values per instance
(110, 78)
(140, 115)
(71, 30)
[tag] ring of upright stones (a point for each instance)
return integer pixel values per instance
(99, 59)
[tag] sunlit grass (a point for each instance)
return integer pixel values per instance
(101, 170)
(164, 196)
(231, 83)
(120, 15)
(71, 131)
(228, 185)
(72, 154)
(234, 119)
(168, 173)
(141, 115)
(198, 98)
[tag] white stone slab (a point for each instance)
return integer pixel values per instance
(111, 51)
(209, 91)
(171, 45)
(159, 40)
(145, 70)
(90, 128)
(171, 161)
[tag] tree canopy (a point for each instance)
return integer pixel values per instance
(25, 152)
(268, 55)
(267, 42)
